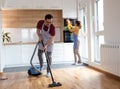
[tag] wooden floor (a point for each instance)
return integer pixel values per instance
(71, 78)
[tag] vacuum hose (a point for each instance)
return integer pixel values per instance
(35, 69)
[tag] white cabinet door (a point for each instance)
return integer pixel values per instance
(13, 55)
(69, 9)
(27, 52)
(58, 53)
(68, 52)
(20, 55)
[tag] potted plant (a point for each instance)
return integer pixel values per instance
(6, 37)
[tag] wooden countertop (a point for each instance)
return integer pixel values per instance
(19, 43)
(23, 43)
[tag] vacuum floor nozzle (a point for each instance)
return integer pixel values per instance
(54, 84)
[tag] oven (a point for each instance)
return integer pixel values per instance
(67, 36)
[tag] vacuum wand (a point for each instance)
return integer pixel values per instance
(54, 84)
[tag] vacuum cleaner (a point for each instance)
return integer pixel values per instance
(34, 70)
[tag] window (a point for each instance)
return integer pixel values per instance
(98, 41)
(99, 15)
(99, 28)
(83, 34)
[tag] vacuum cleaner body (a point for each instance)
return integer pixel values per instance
(32, 71)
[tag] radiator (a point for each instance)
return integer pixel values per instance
(110, 58)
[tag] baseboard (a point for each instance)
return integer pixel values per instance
(85, 64)
(106, 73)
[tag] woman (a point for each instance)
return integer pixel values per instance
(76, 31)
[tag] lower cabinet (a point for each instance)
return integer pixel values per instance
(13, 55)
(20, 55)
(68, 52)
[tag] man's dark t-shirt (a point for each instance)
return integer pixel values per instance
(52, 27)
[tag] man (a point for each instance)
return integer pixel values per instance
(46, 33)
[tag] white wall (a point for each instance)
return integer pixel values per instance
(0, 37)
(0, 41)
(2, 50)
(69, 9)
(0, 3)
(112, 21)
(111, 26)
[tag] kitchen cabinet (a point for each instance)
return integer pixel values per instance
(47, 4)
(58, 53)
(69, 9)
(20, 55)
(27, 31)
(27, 52)
(13, 55)
(33, 4)
(68, 52)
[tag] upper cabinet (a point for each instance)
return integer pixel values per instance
(69, 9)
(47, 4)
(32, 4)
(17, 4)
(28, 18)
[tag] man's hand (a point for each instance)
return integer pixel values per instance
(45, 47)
